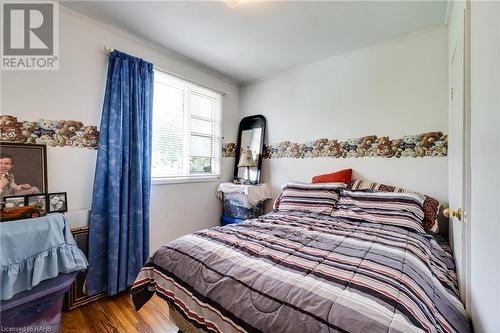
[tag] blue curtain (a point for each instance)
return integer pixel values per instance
(119, 218)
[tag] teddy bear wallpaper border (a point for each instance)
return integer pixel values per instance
(71, 133)
(429, 144)
(74, 133)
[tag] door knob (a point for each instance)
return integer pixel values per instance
(450, 213)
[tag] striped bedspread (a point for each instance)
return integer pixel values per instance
(297, 272)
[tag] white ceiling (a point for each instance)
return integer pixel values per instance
(259, 38)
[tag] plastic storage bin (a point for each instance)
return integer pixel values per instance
(38, 309)
(236, 205)
(225, 220)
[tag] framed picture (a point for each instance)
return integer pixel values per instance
(77, 295)
(23, 169)
(14, 201)
(39, 200)
(57, 202)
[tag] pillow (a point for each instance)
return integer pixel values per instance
(343, 176)
(431, 206)
(333, 186)
(311, 198)
(390, 208)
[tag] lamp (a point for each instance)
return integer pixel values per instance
(247, 160)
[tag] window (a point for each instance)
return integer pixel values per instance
(186, 131)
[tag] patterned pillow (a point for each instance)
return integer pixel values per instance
(334, 186)
(431, 206)
(312, 198)
(397, 209)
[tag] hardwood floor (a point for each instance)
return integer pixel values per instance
(116, 314)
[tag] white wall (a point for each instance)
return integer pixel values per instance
(484, 217)
(394, 88)
(76, 91)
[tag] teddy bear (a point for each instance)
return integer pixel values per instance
(372, 150)
(6, 120)
(409, 141)
(319, 147)
(65, 131)
(90, 136)
(45, 139)
(10, 129)
(59, 138)
(90, 141)
(385, 147)
(68, 128)
(422, 151)
(45, 127)
(282, 148)
(228, 151)
(306, 150)
(27, 129)
(365, 144)
(425, 142)
(266, 151)
(271, 151)
(78, 140)
(294, 151)
(11, 133)
(334, 149)
(408, 152)
(440, 148)
(427, 139)
(408, 144)
(351, 146)
(397, 145)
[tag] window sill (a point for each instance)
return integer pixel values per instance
(183, 180)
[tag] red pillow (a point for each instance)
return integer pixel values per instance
(343, 176)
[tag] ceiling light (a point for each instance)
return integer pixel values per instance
(235, 3)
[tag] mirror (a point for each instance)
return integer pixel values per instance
(249, 150)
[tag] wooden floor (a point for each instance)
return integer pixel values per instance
(116, 314)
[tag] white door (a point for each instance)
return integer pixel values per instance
(458, 151)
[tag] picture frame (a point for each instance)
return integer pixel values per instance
(23, 169)
(39, 200)
(14, 201)
(57, 202)
(77, 295)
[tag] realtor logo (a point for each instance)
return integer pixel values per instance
(29, 39)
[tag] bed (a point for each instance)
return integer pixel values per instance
(306, 271)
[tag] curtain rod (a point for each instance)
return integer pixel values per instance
(108, 50)
(159, 69)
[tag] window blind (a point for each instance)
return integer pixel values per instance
(186, 129)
